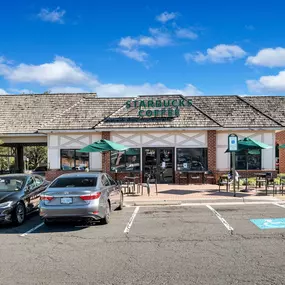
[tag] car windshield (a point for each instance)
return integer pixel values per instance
(67, 182)
(12, 183)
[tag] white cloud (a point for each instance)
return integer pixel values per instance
(60, 71)
(130, 47)
(135, 54)
(55, 16)
(128, 42)
(271, 83)
(3, 92)
(64, 76)
(20, 91)
(218, 54)
(186, 34)
(165, 17)
(269, 57)
(122, 90)
(69, 89)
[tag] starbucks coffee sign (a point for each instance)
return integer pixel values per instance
(158, 108)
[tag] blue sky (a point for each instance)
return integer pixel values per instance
(126, 48)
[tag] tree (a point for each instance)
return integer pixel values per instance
(36, 154)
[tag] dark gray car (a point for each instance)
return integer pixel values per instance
(81, 196)
(19, 196)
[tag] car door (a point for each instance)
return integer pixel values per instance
(29, 189)
(40, 186)
(108, 188)
(115, 191)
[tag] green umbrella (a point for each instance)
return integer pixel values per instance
(250, 146)
(104, 146)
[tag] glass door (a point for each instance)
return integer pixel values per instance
(158, 163)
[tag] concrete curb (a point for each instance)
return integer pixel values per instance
(203, 201)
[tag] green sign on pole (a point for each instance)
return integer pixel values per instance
(233, 148)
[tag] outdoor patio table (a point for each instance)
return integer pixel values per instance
(260, 178)
(132, 180)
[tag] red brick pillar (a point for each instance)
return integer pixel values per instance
(212, 151)
(106, 157)
(280, 139)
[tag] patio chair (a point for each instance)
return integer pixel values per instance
(225, 180)
(270, 182)
(146, 185)
(260, 180)
(282, 183)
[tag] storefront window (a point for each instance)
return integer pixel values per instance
(254, 160)
(192, 159)
(124, 161)
(72, 159)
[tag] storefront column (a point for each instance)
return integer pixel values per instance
(212, 151)
(106, 157)
(20, 159)
(280, 139)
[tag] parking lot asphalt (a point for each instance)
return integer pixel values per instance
(203, 244)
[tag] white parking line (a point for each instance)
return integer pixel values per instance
(32, 230)
(225, 223)
(279, 205)
(128, 227)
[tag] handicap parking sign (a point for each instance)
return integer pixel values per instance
(265, 224)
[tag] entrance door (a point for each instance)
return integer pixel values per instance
(159, 164)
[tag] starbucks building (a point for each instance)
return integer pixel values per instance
(167, 135)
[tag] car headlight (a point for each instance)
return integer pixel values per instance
(6, 204)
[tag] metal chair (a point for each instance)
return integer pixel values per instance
(282, 183)
(225, 180)
(144, 185)
(270, 182)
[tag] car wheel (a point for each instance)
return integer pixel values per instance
(19, 214)
(121, 202)
(106, 219)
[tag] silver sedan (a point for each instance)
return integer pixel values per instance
(81, 196)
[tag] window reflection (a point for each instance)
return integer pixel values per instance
(192, 159)
(72, 159)
(128, 160)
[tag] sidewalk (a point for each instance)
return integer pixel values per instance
(205, 193)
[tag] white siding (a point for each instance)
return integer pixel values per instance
(268, 155)
(56, 142)
(156, 139)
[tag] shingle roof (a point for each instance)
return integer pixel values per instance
(86, 114)
(32, 113)
(272, 106)
(233, 112)
(28, 113)
(190, 117)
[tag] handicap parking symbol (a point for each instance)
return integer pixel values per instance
(264, 224)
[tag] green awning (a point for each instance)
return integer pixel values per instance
(103, 145)
(282, 146)
(251, 145)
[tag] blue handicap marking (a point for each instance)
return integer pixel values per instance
(264, 224)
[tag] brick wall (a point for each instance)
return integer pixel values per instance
(50, 175)
(212, 151)
(106, 156)
(280, 139)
